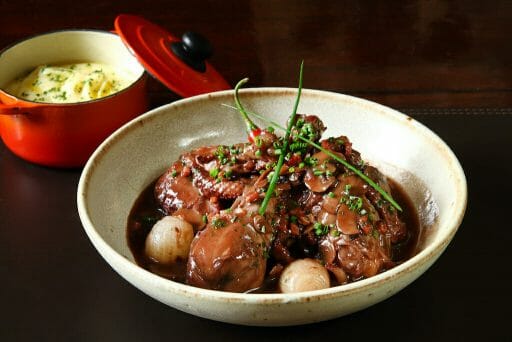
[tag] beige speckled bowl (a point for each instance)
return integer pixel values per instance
(141, 150)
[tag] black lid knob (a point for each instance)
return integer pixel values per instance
(194, 49)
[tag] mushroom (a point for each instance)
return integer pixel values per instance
(346, 220)
(320, 177)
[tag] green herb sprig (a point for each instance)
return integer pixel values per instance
(251, 127)
(280, 162)
(253, 131)
(332, 155)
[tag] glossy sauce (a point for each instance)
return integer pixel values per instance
(145, 213)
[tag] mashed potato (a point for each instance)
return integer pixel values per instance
(69, 83)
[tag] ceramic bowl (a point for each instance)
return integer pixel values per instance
(135, 155)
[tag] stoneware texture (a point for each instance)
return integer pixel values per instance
(140, 151)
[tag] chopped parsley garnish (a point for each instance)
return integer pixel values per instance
(228, 173)
(221, 155)
(354, 203)
(218, 223)
(320, 229)
(310, 161)
(214, 172)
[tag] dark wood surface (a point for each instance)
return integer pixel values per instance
(400, 53)
(447, 63)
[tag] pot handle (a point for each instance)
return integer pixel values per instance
(17, 109)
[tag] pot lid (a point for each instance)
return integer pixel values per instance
(179, 64)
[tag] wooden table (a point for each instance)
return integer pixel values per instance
(448, 64)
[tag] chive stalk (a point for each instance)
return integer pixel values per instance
(280, 162)
(332, 155)
(252, 130)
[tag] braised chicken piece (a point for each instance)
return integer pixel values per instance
(228, 258)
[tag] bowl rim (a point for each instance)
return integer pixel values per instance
(426, 255)
(142, 75)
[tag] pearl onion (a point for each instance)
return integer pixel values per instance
(169, 239)
(304, 275)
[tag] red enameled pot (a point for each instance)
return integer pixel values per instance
(65, 135)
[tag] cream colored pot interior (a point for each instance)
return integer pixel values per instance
(67, 47)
